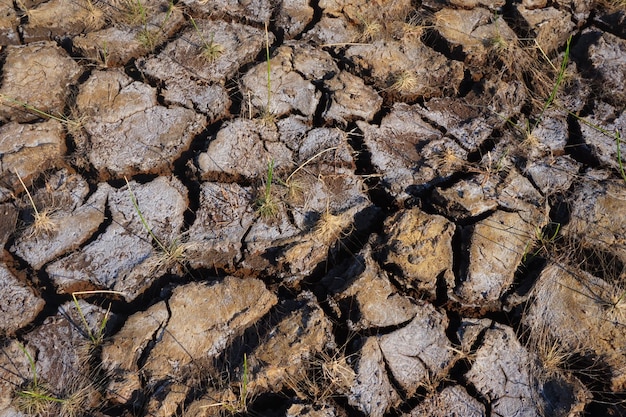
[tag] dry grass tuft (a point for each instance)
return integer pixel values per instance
(331, 227)
(370, 30)
(43, 224)
(405, 82)
(323, 377)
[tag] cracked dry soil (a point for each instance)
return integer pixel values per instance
(324, 208)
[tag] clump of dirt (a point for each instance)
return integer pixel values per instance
(312, 209)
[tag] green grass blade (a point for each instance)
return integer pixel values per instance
(145, 224)
(559, 80)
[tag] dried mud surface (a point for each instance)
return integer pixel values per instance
(324, 208)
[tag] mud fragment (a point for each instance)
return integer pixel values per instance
(130, 132)
(332, 31)
(473, 118)
(598, 221)
(196, 65)
(311, 410)
(121, 355)
(479, 33)
(8, 25)
(19, 303)
(138, 30)
(56, 18)
(406, 68)
(123, 258)
(351, 99)
(466, 198)
(373, 393)
(258, 11)
(289, 90)
(29, 70)
(418, 247)
(419, 353)
(600, 132)
(289, 349)
(370, 300)
(15, 370)
(395, 147)
(41, 146)
(554, 175)
(506, 374)
(241, 303)
(8, 214)
(293, 16)
(451, 401)
(225, 215)
(498, 245)
(552, 26)
(228, 154)
(589, 320)
(73, 218)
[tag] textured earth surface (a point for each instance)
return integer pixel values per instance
(312, 208)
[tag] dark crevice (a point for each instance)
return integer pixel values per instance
(236, 97)
(325, 101)
(185, 170)
(612, 22)
(270, 405)
(485, 147)
(433, 39)
(466, 85)
(461, 240)
(376, 190)
(317, 16)
(44, 288)
(576, 146)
